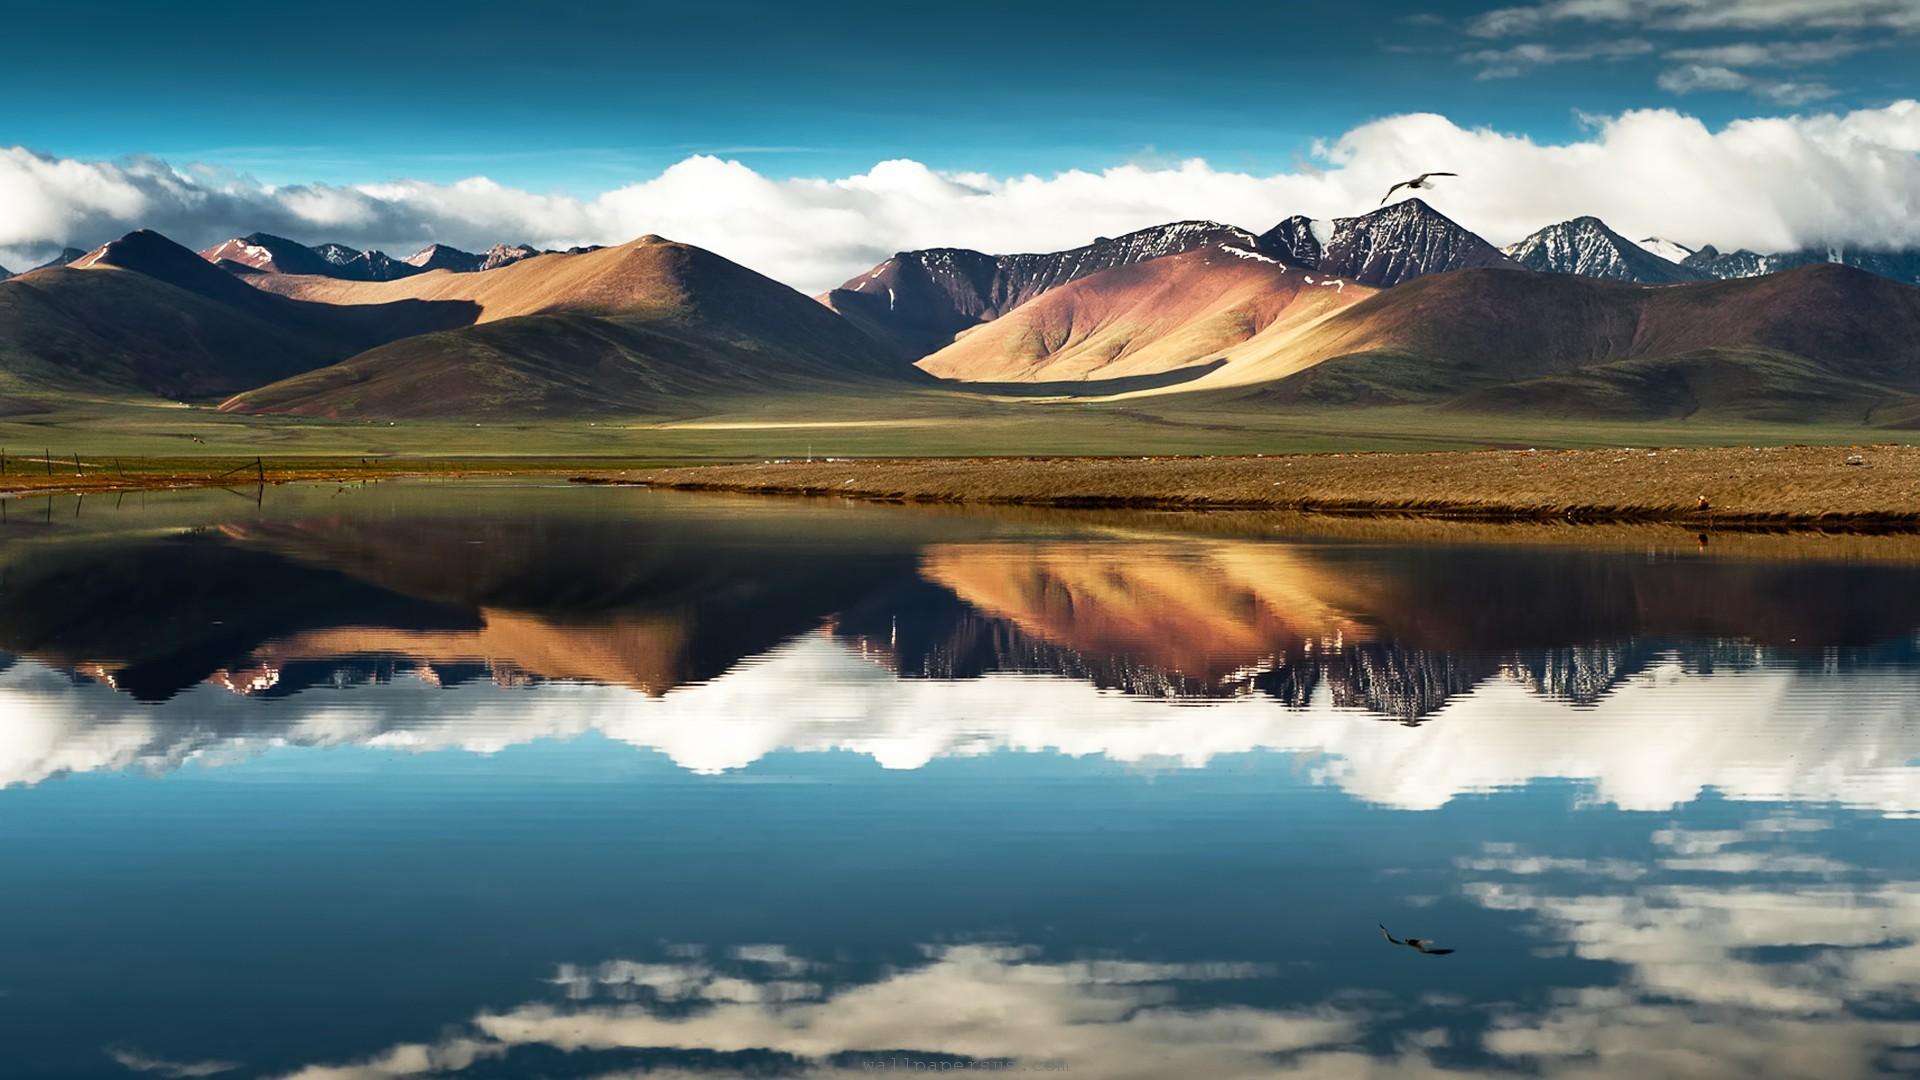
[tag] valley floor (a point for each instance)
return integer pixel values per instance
(919, 422)
(936, 445)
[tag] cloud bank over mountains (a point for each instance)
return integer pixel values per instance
(1766, 183)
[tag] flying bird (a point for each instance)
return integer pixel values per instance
(1421, 945)
(1418, 183)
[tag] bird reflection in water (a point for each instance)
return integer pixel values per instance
(1420, 945)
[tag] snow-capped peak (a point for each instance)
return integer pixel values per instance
(1663, 248)
(1587, 247)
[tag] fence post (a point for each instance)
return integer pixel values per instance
(260, 468)
(49, 461)
(76, 464)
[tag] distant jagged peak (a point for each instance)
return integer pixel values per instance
(444, 257)
(269, 254)
(65, 258)
(1900, 264)
(1382, 247)
(507, 254)
(448, 257)
(1152, 241)
(337, 254)
(1103, 252)
(265, 253)
(1174, 237)
(1588, 247)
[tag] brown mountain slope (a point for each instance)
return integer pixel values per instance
(118, 332)
(1216, 303)
(143, 315)
(639, 328)
(916, 301)
(650, 274)
(147, 252)
(1830, 337)
(354, 324)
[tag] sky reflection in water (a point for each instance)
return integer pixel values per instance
(492, 781)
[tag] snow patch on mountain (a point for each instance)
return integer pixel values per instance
(1254, 256)
(1662, 248)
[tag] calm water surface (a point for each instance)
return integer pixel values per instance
(487, 781)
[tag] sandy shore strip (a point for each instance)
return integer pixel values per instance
(1827, 486)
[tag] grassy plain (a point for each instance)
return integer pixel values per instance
(1871, 486)
(122, 445)
(903, 423)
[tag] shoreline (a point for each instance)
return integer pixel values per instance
(142, 474)
(1832, 488)
(1863, 489)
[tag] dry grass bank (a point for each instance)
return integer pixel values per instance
(84, 475)
(1856, 487)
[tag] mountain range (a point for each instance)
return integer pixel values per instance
(635, 328)
(1397, 306)
(264, 253)
(917, 301)
(1817, 342)
(144, 316)
(1900, 265)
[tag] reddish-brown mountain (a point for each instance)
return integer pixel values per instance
(916, 301)
(1221, 304)
(642, 328)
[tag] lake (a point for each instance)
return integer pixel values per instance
(491, 780)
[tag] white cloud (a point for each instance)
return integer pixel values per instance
(1690, 78)
(1703, 67)
(1792, 93)
(1770, 53)
(172, 1070)
(1703, 15)
(1693, 994)
(993, 1005)
(1662, 739)
(1519, 59)
(1696, 995)
(1767, 183)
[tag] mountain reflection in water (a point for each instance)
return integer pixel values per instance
(508, 780)
(655, 592)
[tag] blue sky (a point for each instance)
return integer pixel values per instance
(579, 97)
(810, 142)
